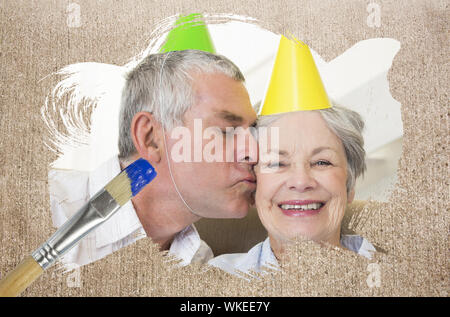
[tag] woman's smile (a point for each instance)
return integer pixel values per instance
(301, 208)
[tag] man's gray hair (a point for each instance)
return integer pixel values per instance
(348, 126)
(162, 85)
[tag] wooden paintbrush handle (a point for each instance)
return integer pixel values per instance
(16, 281)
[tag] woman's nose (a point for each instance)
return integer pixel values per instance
(301, 179)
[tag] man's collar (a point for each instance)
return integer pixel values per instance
(185, 244)
(125, 221)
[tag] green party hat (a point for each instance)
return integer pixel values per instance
(190, 33)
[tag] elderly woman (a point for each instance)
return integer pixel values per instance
(304, 184)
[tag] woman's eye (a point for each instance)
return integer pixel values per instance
(322, 163)
(276, 165)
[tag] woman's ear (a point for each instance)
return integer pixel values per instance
(351, 195)
(146, 135)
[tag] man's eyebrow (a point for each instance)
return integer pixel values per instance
(230, 117)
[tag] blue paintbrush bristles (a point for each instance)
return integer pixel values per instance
(140, 173)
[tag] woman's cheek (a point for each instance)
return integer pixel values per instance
(333, 181)
(266, 188)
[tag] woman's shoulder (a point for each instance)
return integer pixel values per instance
(358, 244)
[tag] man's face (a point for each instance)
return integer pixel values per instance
(218, 182)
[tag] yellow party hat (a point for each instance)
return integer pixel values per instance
(295, 83)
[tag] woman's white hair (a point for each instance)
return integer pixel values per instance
(348, 126)
(162, 85)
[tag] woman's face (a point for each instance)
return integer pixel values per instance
(303, 191)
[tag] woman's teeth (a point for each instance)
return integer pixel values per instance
(314, 206)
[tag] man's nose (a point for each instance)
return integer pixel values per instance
(247, 147)
(301, 179)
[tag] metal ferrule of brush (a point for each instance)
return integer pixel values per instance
(96, 211)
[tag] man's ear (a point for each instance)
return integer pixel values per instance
(146, 134)
(351, 195)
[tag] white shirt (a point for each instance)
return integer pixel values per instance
(70, 190)
(261, 255)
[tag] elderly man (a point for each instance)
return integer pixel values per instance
(163, 92)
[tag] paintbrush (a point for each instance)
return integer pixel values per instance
(95, 212)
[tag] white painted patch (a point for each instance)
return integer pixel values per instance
(356, 79)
